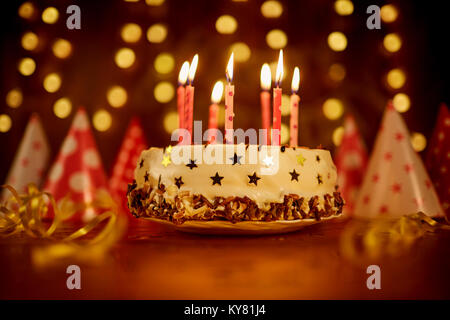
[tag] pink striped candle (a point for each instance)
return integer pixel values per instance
(295, 100)
(277, 93)
(229, 102)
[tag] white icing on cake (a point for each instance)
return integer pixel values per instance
(308, 163)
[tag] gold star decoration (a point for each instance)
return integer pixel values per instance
(169, 149)
(166, 160)
(300, 159)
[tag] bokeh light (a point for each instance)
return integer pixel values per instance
(396, 78)
(164, 63)
(337, 41)
(5, 123)
(284, 130)
(392, 42)
(338, 134)
(164, 92)
(272, 9)
(226, 24)
(14, 98)
(26, 10)
(131, 33)
(418, 141)
(116, 96)
(388, 13)
(170, 121)
(401, 102)
(285, 105)
(62, 107)
(157, 33)
(154, 2)
(102, 120)
(276, 39)
(52, 82)
(337, 72)
(27, 66)
(50, 15)
(30, 41)
(333, 108)
(343, 7)
(241, 51)
(125, 58)
(62, 48)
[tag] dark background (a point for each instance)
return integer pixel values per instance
(91, 70)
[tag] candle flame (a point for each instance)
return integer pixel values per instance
(193, 68)
(279, 73)
(295, 80)
(183, 75)
(229, 71)
(216, 95)
(266, 77)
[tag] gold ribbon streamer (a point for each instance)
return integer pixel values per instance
(24, 213)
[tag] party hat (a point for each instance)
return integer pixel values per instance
(31, 159)
(78, 170)
(123, 170)
(438, 158)
(351, 163)
(396, 182)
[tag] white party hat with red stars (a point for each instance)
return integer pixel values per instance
(396, 182)
(351, 162)
(31, 159)
(78, 170)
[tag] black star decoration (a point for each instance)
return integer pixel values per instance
(283, 148)
(217, 179)
(141, 164)
(191, 165)
(236, 159)
(317, 158)
(179, 182)
(146, 176)
(254, 178)
(319, 179)
(294, 175)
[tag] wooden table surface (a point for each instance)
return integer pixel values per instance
(156, 262)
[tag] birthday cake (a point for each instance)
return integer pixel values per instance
(234, 183)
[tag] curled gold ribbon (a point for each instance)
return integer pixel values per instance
(24, 213)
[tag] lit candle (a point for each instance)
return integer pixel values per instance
(277, 92)
(295, 99)
(229, 101)
(266, 81)
(189, 102)
(181, 93)
(216, 96)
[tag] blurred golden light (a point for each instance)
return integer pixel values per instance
(62, 108)
(26, 10)
(30, 41)
(164, 92)
(241, 51)
(14, 98)
(164, 63)
(50, 15)
(338, 134)
(125, 58)
(337, 41)
(392, 42)
(337, 72)
(61, 48)
(27, 66)
(226, 24)
(401, 102)
(102, 120)
(388, 13)
(418, 141)
(157, 33)
(285, 105)
(116, 96)
(333, 108)
(273, 70)
(52, 82)
(131, 33)
(170, 121)
(271, 9)
(284, 130)
(396, 78)
(5, 123)
(154, 2)
(343, 7)
(276, 39)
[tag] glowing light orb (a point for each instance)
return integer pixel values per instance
(30, 41)
(333, 108)
(388, 13)
(276, 39)
(170, 121)
(392, 42)
(27, 66)
(62, 108)
(164, 63)
(52, 82)
(241, 51)
(337, 72)
(164, 92)
(5, 123)
(338, 134)
(271, 9)
(337, 41)
(401, 102)
(157, 33)
(102, 120)
(226, 24)
(26, 10)
(50, 15)
(14, 98)
(418, 141)
(125, 58)
(117, 96)
(131, 33)
(396, 78)
(343, 7)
